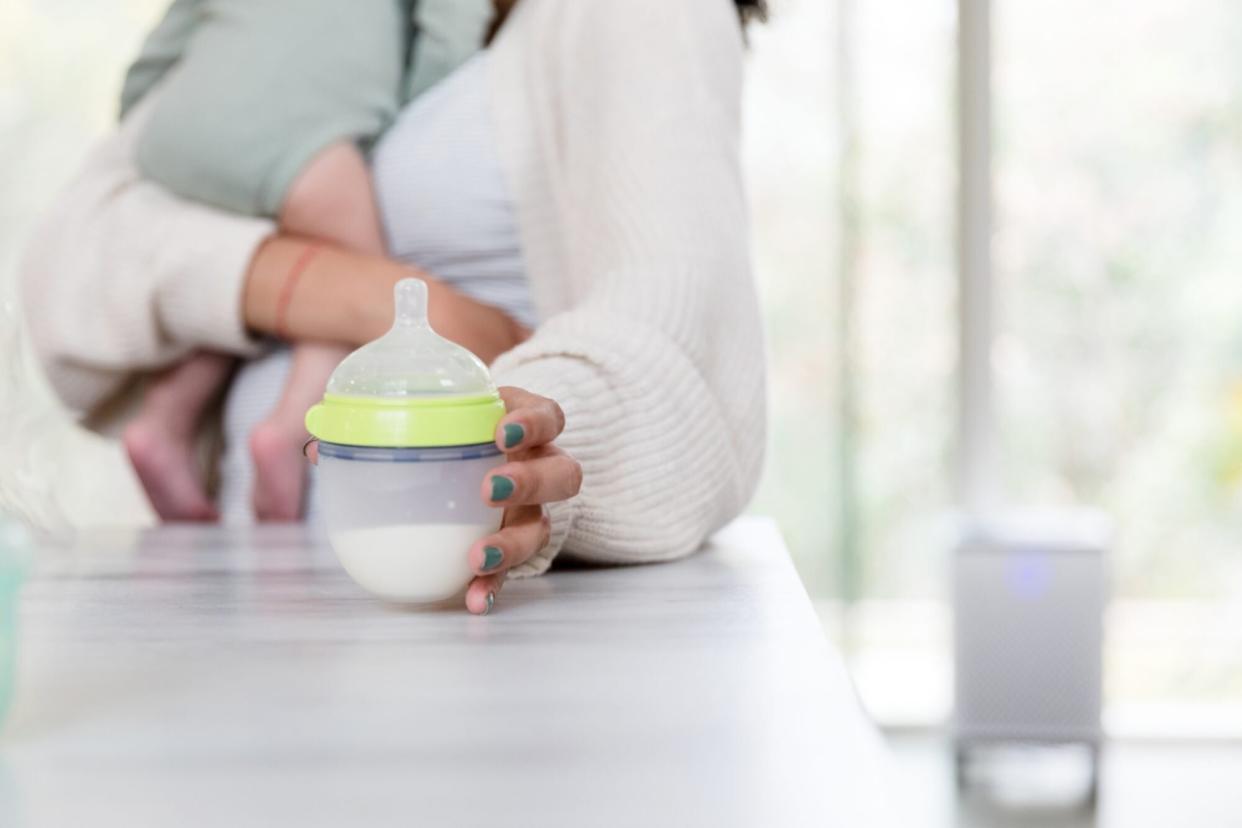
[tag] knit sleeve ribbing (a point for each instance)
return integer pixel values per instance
(657, 357)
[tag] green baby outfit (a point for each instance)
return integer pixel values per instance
(252, 90)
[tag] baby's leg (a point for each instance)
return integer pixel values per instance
(332, 199)
(160, 440)
(276, 443)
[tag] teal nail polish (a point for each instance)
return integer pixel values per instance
(492, 557)
(502, 487)
(514, 434)
(491, 600)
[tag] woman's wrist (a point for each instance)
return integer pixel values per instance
(338, 296)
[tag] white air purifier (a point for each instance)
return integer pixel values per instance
(1029, 597)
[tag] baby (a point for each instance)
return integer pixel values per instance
(267, 108)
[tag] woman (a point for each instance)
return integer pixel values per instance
(616, 126)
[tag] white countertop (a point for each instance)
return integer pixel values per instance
(220, 677)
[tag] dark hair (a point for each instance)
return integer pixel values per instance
(747, 10)
(750, 10)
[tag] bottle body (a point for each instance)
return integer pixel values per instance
(401, 520)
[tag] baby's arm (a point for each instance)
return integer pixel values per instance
(332, 199)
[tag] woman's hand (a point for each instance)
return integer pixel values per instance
(536, 472)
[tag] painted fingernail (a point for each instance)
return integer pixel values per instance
(502, 487)
(514, 434)
(492, 557)
(491, 600)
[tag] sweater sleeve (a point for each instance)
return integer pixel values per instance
(658, 358)
(121, 277)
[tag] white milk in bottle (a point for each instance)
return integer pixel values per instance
(406, 435)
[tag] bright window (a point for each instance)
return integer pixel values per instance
(1117, 357)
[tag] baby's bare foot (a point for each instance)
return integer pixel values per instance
(166, 467)
(279, 472)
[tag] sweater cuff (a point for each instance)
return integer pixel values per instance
(561, 516)
(202, 303)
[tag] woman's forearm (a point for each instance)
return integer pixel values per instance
(338, 296)
(334, 295)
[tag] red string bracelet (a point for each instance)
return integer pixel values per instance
(286, 290)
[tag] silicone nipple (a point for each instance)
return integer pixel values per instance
(410, 296)
(411, 361)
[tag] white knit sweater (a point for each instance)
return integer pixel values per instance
(619, 127)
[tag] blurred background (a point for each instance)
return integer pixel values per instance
(1114, 363)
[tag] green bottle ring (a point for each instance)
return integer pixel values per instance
(400, 423)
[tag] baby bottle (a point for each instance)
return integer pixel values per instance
(406, 430)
